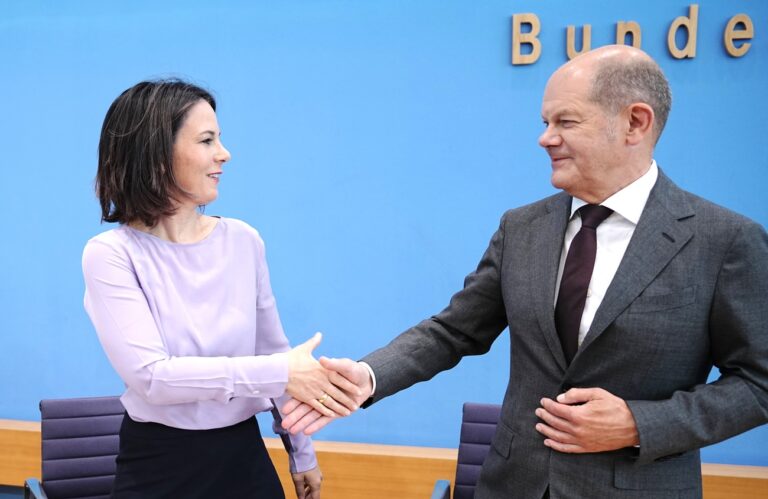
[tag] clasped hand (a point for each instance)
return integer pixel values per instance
(586, 420)
(350, 382)
(321, 388)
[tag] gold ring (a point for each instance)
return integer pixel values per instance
(323, 398)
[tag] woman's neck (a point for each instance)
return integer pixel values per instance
(184, 226)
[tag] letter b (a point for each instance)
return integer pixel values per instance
(519, 38)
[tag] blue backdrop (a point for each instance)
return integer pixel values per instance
(375, 146)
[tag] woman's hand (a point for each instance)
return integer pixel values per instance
(298, 416)
(308, 382)
(308, 483)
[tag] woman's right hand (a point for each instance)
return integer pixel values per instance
(308, 382)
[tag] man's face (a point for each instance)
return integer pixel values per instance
(583, 142)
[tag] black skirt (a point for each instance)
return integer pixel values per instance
(157, 461)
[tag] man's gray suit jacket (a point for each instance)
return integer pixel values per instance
(691, 292)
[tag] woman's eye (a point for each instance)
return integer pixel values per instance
(207, 141)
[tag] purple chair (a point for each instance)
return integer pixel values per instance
(80, 443)
(478, 425)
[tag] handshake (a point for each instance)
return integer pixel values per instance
(322, 390)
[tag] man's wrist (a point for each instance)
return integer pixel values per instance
(372, 376)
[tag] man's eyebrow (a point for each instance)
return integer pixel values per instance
(561, 112)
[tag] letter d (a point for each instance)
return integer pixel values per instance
(691, 24)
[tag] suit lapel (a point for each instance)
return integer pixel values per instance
(548, 232)
(658, 237)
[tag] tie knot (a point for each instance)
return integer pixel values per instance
(593, 215)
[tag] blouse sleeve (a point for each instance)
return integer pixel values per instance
(301, 452)
(271, 338)
(129, 335)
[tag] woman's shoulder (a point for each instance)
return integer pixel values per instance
(238, 228)
(110, 245)
(113, 238)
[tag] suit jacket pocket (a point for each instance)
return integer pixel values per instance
(681, 472)
(657, 302)
(502, 440)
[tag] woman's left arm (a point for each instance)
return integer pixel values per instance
(270, 338)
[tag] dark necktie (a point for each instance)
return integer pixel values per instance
(576, 276)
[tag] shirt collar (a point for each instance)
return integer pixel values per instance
(630, 201)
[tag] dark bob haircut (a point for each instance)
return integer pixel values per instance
(135, 180)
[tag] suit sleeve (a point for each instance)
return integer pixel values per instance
(738, 335)
(468, 326)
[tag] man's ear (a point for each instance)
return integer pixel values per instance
(641, 122)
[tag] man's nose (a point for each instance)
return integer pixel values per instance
(549, 138)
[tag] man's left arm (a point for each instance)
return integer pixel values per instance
(738, 335)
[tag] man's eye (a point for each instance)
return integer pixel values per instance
(567, 123)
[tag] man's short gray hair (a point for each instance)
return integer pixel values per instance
(617, 84)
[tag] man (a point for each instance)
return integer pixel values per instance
(614, 326)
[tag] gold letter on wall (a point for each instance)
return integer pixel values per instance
(691, 24)
(586, 40)
(519, 38)
(631, 28)
(731, 34)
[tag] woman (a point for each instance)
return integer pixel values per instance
(183, 307)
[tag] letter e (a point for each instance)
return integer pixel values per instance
(731, 34)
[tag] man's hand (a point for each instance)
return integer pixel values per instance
(350, 376)
(587, 420)
(308, 483)
(309, 382)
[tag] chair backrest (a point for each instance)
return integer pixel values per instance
(478, 425)
(80, 442)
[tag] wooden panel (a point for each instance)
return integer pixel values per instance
(19, 451)
(353, 470)
(725, 481)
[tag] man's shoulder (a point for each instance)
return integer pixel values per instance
(532, 211)
(685, 203)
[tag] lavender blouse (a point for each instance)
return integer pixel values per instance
(192, 329)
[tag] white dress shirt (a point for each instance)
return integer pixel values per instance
(613, 236)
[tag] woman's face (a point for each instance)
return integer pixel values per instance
(198, 156)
